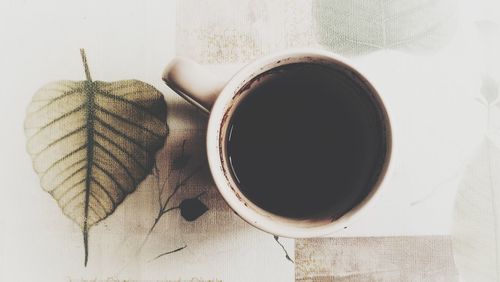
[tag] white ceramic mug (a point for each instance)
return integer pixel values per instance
(218, 98)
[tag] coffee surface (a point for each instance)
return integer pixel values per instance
(306, 140)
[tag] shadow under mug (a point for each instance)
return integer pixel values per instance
(218, 98)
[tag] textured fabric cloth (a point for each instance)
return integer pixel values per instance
(388, 259)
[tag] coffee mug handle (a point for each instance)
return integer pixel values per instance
(193, 82)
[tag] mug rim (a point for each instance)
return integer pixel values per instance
(219, 117)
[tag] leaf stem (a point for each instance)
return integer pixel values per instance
(488, 119)
(85, 65)
(89, 114)
(86, 243)
(493, 204)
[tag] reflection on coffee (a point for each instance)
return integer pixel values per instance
(306, 140)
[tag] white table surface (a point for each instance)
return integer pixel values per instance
(437, 126)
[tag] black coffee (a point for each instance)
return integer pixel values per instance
(307, 140)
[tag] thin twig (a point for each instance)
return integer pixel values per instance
(168, 253)
(199, 195)
(276, 238)
(163, 209)
(161, 188)
(156, 174)
(164, 184)
(183, 182)
(170, 209)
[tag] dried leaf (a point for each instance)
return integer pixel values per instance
(476, 221)
(93, 142)
(358, 27)
(192, 208)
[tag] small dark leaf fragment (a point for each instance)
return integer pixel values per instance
(192, 208)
